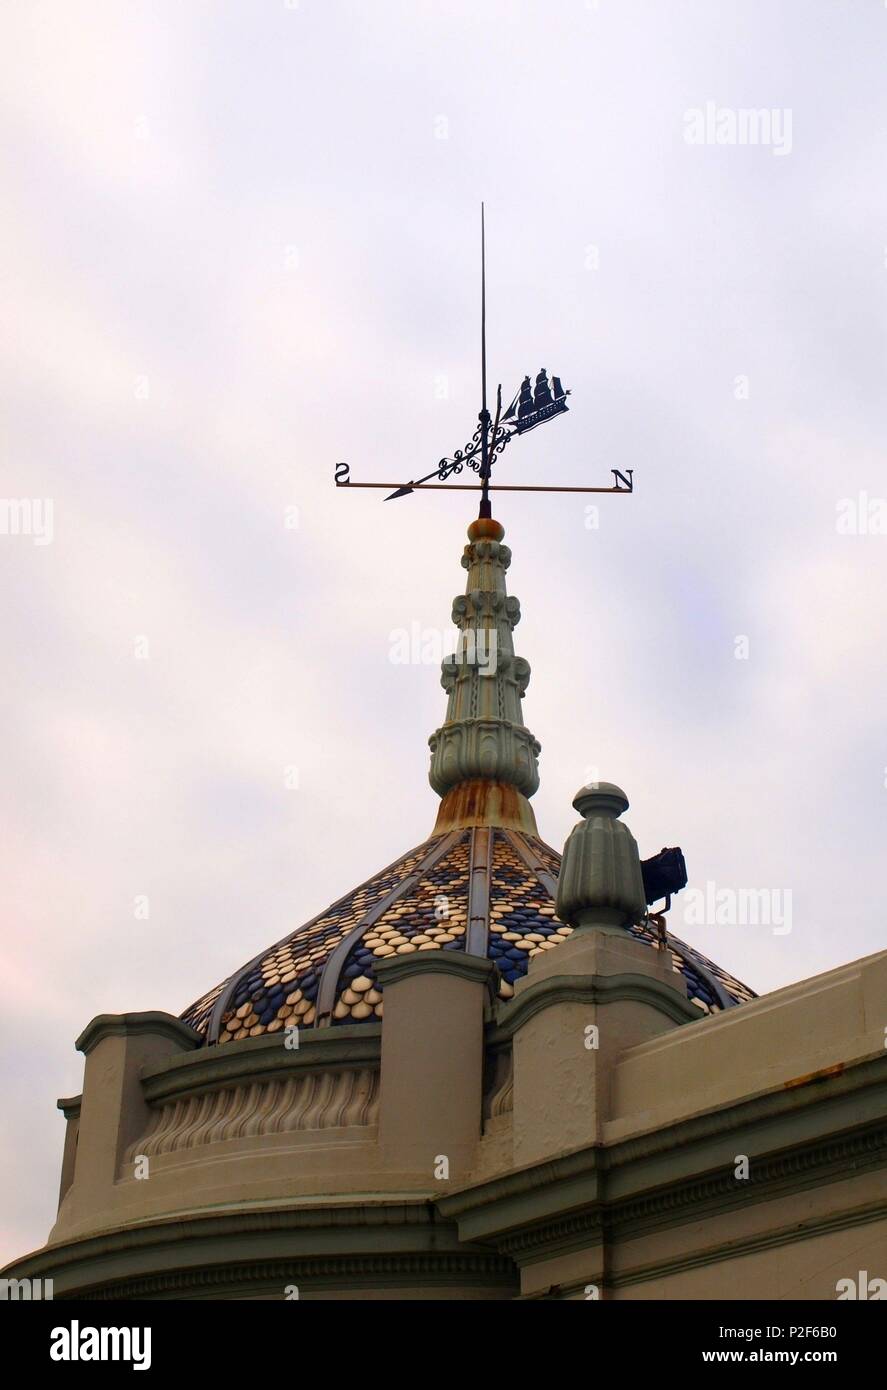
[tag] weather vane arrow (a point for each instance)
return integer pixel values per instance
(532, 405)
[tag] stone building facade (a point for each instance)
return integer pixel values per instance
(485, 1074)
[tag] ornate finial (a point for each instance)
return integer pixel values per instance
(485, 529)
(600, 881)
(483, 758)
(603, 798)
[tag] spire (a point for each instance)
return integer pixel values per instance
(483, 758)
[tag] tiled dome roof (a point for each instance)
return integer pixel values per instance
(325, 970)
(483, 883)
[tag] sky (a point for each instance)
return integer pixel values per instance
(240, 244)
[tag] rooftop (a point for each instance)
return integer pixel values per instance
(484, 883)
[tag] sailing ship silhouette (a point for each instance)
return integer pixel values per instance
(533, 405)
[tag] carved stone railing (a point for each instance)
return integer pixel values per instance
(307, 1101)
(242, 1091)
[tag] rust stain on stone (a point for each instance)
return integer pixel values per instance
(483, 802)
(822, 1075)
(486, 529)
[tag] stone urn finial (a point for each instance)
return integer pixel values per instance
(600, 881)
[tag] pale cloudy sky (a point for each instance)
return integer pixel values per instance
(240, 243)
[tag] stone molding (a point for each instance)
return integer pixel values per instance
(480, 970)
(494, 552)
(562, 1204)
(768, 1240)
(384, 1242)
(323, 1275)
(494, 749)
(153, 1022)
(543, 994)
(254, 1059)
(703, 1197)
(486, 603)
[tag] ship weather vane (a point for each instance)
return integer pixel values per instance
(533, 404)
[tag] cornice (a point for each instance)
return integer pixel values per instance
(637, 1185)
(706, 1196)
(153, 1022)
(263, 1057)
(592, 989)
(403, 1238)
(376, 1271)
(749, 1245)
(735, 1249)
(477, 969)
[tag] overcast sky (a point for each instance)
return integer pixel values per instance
(240, 243)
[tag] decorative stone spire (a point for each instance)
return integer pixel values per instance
(600, 881)
(483, 758)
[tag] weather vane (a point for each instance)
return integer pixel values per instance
(532, 405)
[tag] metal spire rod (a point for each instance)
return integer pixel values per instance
(485, 508)
(483, 312)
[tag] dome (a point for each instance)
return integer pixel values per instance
(325, 971)
(484, 883)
